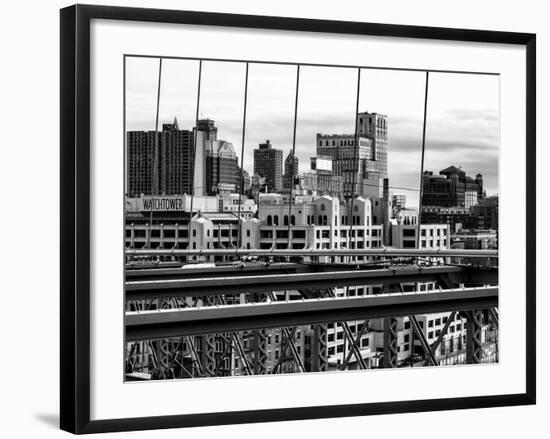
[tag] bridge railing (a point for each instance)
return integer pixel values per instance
(192, 320)
(388, 252)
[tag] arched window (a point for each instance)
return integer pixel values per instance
(276, 220)
(285, 220)
(325, 220)
(343, 220)
(322, 207)
(356, 208)
(269, 220)
(292, 220)
(320, 220)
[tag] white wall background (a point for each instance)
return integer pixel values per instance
(29, 220)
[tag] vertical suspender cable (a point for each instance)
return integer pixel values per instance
(192, 176)
(241, 179)
(351, 205)
(293, 154)
(355, 158)
(155, 158)
(421, 192)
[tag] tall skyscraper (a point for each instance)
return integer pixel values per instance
(374, 126)
(291, 171)
(365, 165)
(140, 162)
(348, 161)
(245, 182)
(216, 169)
(222, 170)
(176, 160)
(159, 163)
(268, 163)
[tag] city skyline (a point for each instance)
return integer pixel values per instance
(462, 123)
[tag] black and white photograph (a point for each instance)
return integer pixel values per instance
(244, 219)
(294, 218)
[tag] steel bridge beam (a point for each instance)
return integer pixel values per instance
(225, 270)
(388, 252)
(356, 343)
(390, 342)
(474, 324)
(205, 286)
(319, 351)
(206, 320)
(430, 356)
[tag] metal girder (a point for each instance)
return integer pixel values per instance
(224, 270)
(388, 252)
(248, 269)
(290, 344)
(195, 358)
(348, 335)
(260, 352)
(236, 343)
(208, 359)
(437, 342)
(391, 354)
(240, 349)
(390, 342)
(319, 351)
(208, 347)
(493, 313)
(152, 354)
(175, 363)
(275, 282)
(430, 356)
(197, 321)
(260, 341)
(289, 335)
(353, 346)
(286, 345)
(356, 342)
(473, 336)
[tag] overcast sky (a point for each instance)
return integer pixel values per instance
(462, 123)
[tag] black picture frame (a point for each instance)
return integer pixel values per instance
(75, 216)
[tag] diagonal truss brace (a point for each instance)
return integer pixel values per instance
(290, 344)
(430, 357)
(356, 344)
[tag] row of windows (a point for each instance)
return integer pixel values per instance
(360, 233)
(437, 243)
(322, 220)
(274, 220)
(360, 245)
(439, 232)
(334, 142)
